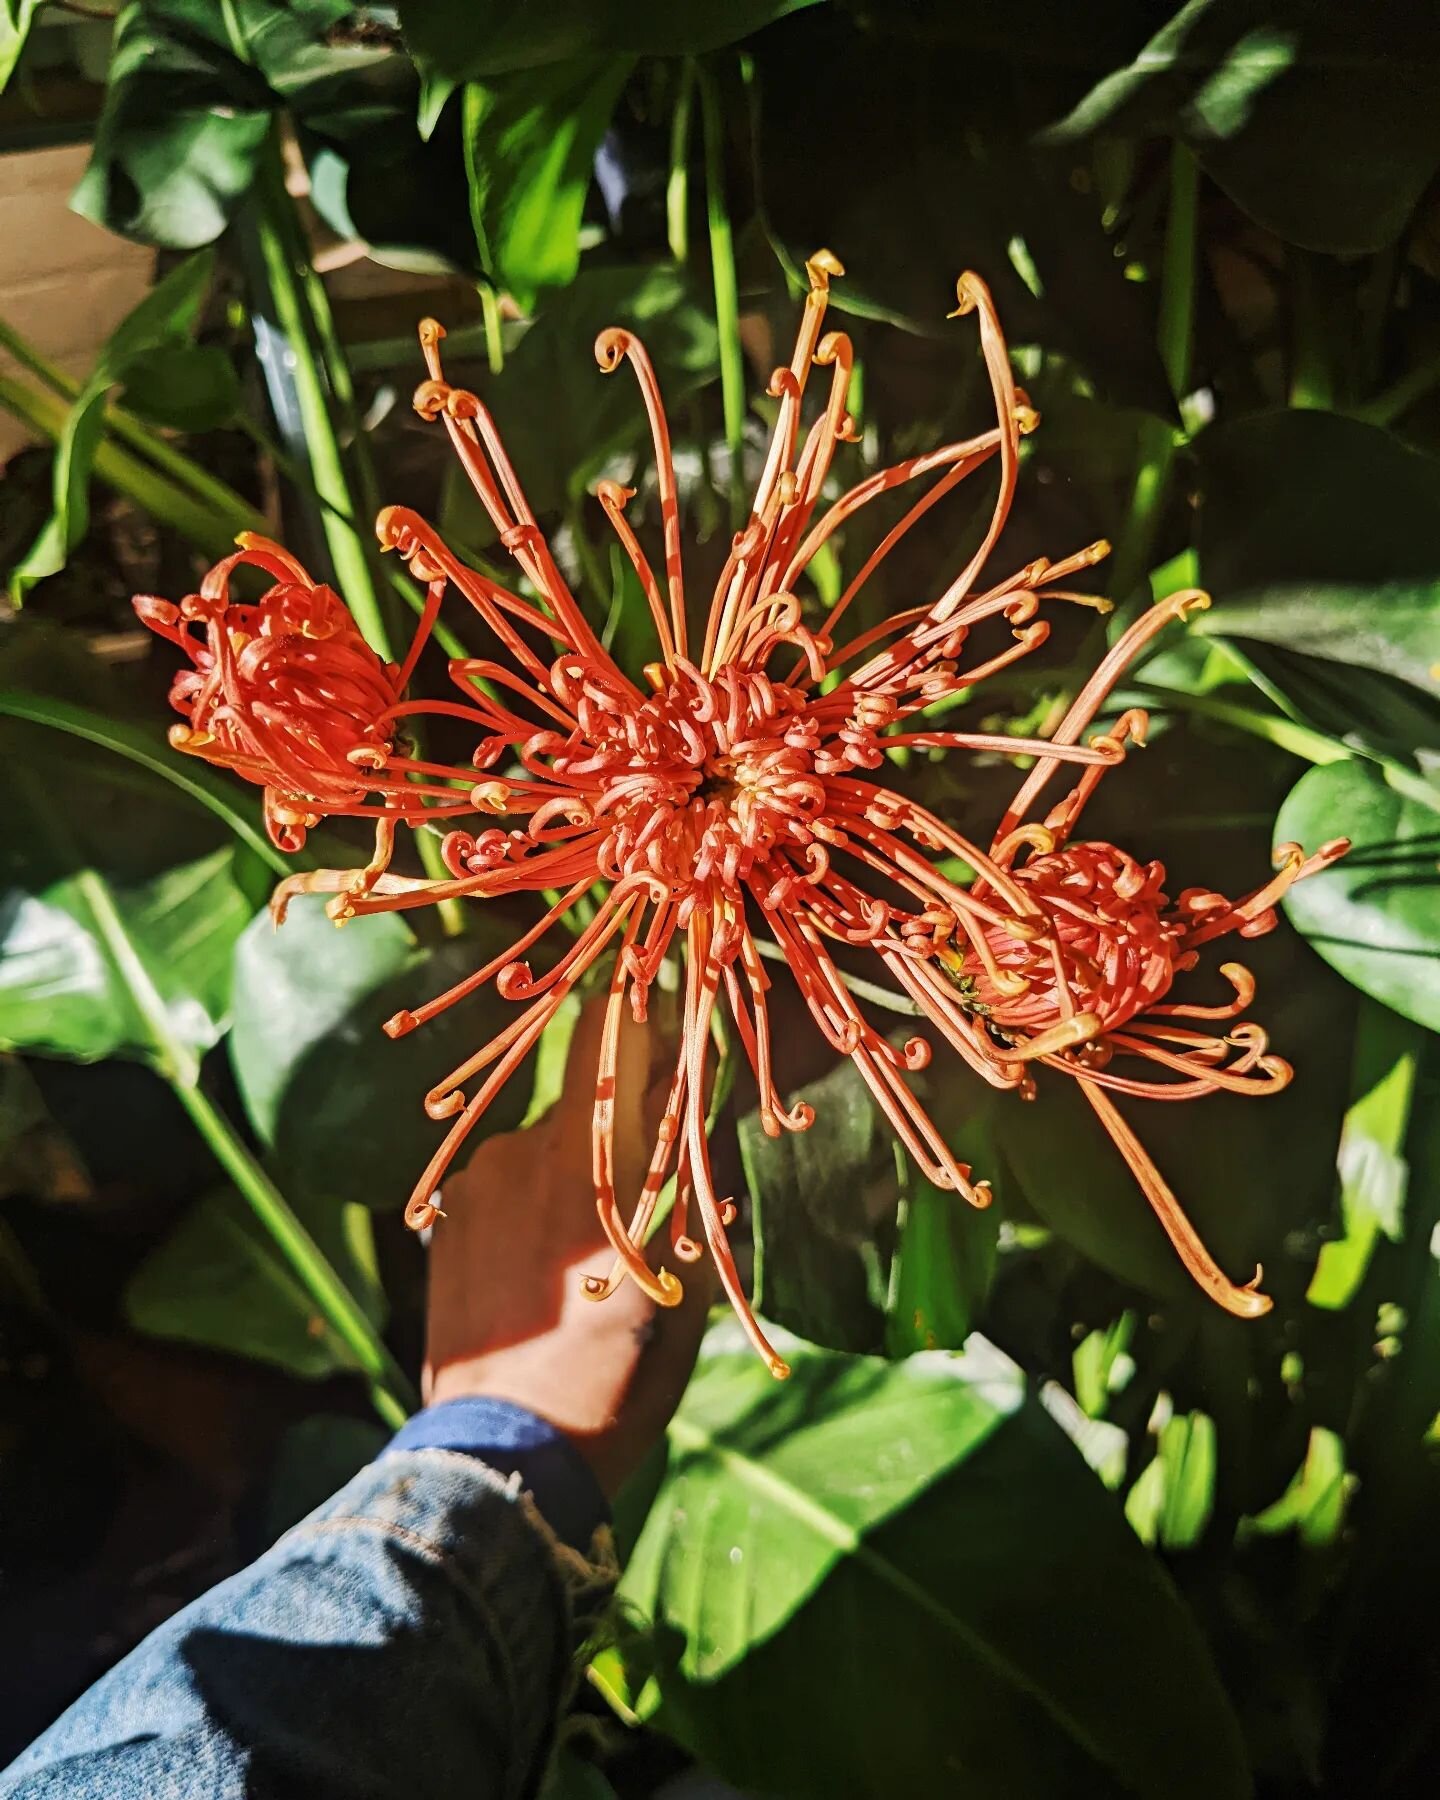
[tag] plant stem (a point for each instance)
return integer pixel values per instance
(677, 187)
(286, 268)
(1312, 382)
(1158, 438)
(390, 1391)
(168, 504)
(134, 432)
(726, 286)
(490, 313)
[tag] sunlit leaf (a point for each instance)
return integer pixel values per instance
(925, 1526)
(1171, 1501)
(1375, 915)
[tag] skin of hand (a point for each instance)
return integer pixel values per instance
(507, 1317)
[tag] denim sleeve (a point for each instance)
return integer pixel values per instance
(414, 1636)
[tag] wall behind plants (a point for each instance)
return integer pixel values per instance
(1030, 1518)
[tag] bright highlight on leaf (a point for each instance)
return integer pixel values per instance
(732, 792)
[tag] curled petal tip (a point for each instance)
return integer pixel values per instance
(430, 332)
(1194, 600)
(970, 292)
(778, 1367)
(821, 266)
(399, 1024)
(671, 1290)
(610, 347)
(981, 1195)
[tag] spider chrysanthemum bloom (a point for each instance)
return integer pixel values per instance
(727, 796)
(285, 691)
(1088, 993)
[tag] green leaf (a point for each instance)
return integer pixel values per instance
(1373, 1170)
(218, 1280)
(818, 1197)
(530, 143)
(1314, 1503)
(1374, 916)
(944, 1255)
(1171, 1502)
(563, 421)
(146, 746)
(161, 322)
(925, 1529)
(1322, 534)
(192, 86)
(192, 387)
(1102, 1365)
(568, 1778)
(975, 195)
(464, 39)
(16, 18)
(340, 1105)
(143, 970)
(1317, 119)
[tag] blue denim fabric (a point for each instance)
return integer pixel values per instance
(411, 1637)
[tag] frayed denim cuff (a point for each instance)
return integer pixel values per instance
(514, 1441)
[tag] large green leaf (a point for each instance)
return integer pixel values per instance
(1322, 534)
(460, 40)
(1375, 916)
(337, 1102)
(530, 143)
(877, 1579)
(219, 1280)
(1317, 116)
(88, 970)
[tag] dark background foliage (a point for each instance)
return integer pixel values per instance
(1030, 1518)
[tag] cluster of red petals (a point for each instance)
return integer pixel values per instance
(734, 788)
(284, 691)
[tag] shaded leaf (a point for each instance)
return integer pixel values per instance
(463, 39)
(864, 1504)
(1322, 534)
(218, 1280)
(340, 1105)
(972, 194)
(1316, 118)
(191, 388)
(1374, 916)
(944, 1255)
(818, 1197)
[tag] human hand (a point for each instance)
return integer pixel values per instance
(507, 1317)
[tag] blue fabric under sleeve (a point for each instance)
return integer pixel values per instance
(514, 1441)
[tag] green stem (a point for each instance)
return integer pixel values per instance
(166, 503)
(141, 437)
(726, 285)
(179, 1064)
(1135, 547)
(287, 269)
(1312, 380)
(494, 339)
(390, 1391)
(677, 187)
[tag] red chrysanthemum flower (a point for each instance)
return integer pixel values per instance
(1089, 987)
(731, 789)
